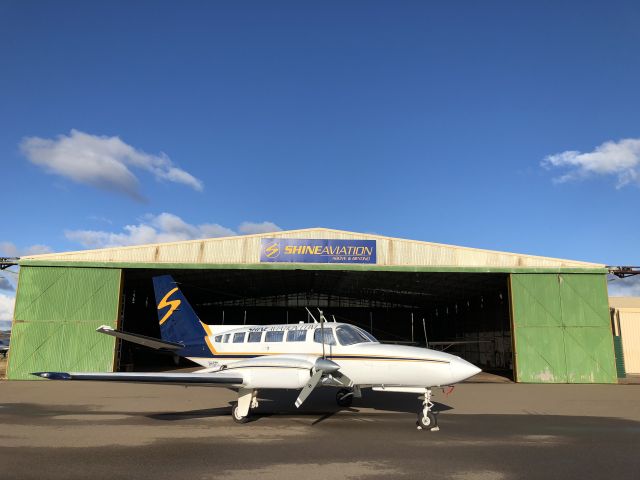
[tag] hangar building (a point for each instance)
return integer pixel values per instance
(536, 319)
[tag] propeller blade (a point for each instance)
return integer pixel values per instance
(308, 388)
(343, 379)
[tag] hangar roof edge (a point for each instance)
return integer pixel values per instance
(244, 249)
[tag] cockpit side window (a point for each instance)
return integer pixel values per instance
(329, 339)
(225, 339)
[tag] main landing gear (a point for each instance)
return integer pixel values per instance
(344, 397)
(247, 399)
(426, 419)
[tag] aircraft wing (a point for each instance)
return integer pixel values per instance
(216, 379)
(231, 376)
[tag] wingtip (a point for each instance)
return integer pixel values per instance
(52, 375)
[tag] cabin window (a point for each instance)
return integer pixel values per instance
(238, 337)
(329, 339)
(255, 337)
(218, 338)
(274, 336)
(296, 335)
(225, 339)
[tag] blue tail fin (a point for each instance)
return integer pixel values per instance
(178, 321)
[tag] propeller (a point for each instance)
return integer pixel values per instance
(322, 367)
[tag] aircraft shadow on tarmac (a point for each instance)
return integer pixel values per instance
(321, 403)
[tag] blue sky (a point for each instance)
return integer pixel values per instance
(473, 123)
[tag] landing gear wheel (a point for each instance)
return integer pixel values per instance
(426, 419)
(236, 416)
(344, 397)
(426, 422)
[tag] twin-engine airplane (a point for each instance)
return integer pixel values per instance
(300, 356)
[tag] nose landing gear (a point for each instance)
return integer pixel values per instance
(426, 419)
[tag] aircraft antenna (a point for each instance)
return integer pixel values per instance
(322, 328)
(424, 327)
(309, 312)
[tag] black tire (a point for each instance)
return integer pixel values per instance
(236, 417)
(344, 397)
(428, 423)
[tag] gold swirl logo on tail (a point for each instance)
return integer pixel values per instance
(172, 304)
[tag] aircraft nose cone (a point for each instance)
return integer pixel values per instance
(461, 370)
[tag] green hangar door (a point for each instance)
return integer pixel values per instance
(56, 315)
(561, 328)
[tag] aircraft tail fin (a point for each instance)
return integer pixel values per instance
(179, 323)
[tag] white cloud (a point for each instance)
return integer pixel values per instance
(621, 159)
(102, 162)
(9, 249)
(7, 303)
(625, 287)
(247, 228)
(165, 227)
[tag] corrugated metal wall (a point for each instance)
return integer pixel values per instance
(562, 332)
(617, 345)
(56, 314)
(630, 333)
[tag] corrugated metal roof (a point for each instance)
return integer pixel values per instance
(245, 249)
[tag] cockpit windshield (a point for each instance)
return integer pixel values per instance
(368, 335)
(350, 335)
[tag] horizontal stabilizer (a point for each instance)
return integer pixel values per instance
(150, 342)
(214, 379)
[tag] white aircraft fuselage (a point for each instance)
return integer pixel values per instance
(366, 363)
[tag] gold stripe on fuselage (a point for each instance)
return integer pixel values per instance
(338, 356)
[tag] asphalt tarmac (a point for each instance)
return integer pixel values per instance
(97, 430)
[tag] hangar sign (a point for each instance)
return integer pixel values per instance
(298, 250)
